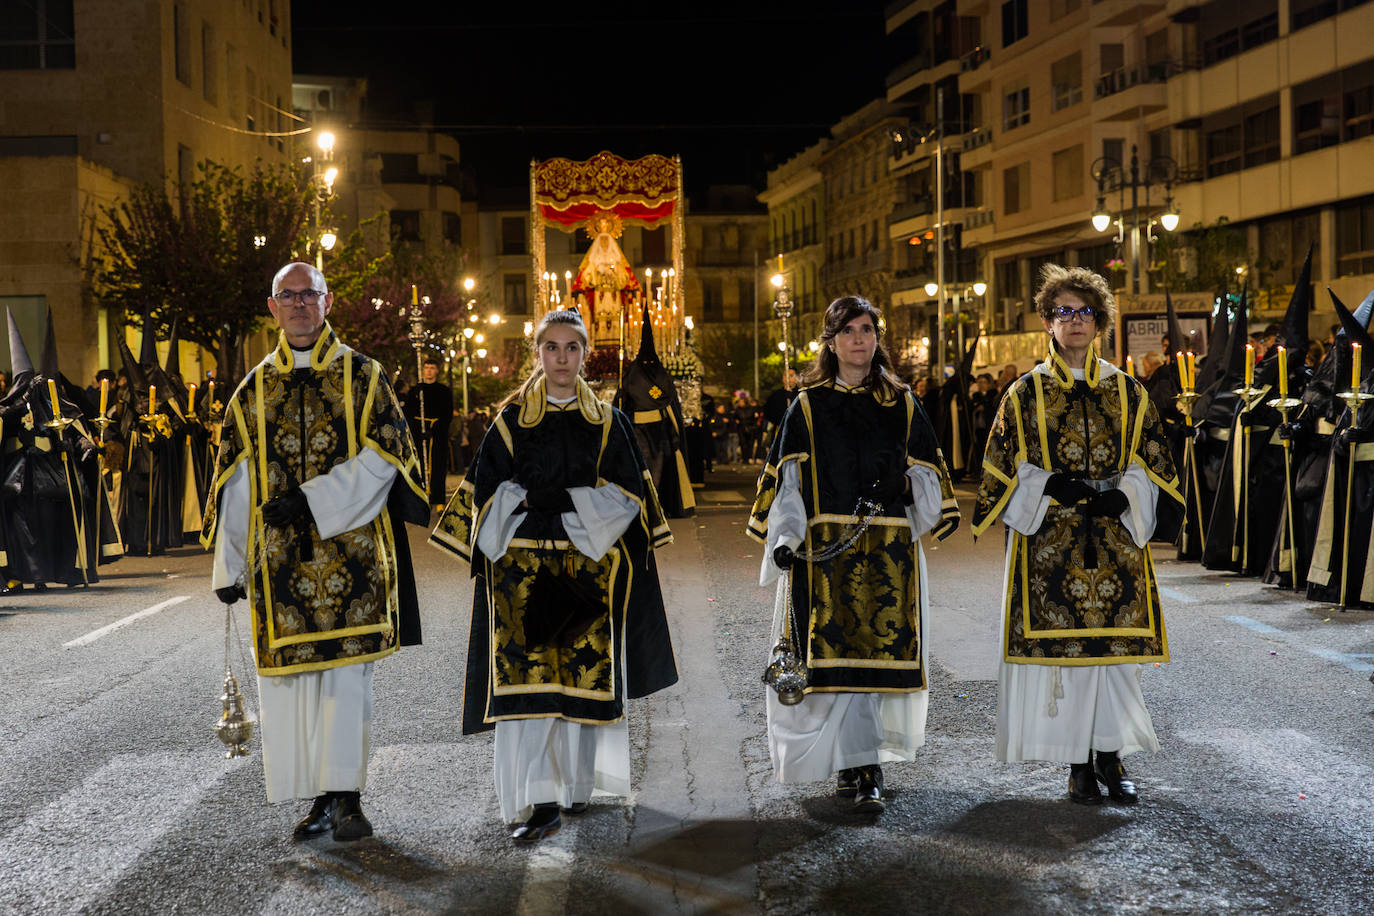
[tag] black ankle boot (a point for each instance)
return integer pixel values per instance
(1110, 772)
(349, 821)
(847, 783)
(544, 822)
(868, 797)
(318, 821)
(1083, 784)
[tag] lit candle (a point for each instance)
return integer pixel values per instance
(152, 399)
(52, 393)
(191, 398)
(1283, 372)
(104, 394)
(567, 283)
(1249, 365)
(1130, 367)
(1192, 370)
(1182, 368)
(210, 393)
(1355, 367)
(414, 294)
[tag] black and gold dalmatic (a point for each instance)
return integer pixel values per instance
(857, 616)
(1078, 591)
(555, 633)
(321, 603)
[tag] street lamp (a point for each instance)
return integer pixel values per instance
(782, 307)
(958, 294)
(1110, 176)
(324, 175)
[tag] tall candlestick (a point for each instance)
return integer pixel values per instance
(210, 393)
(52, 393)
(104, 394)
(1130, 367)
(1182, 368)
(191, 398)
(1192, 370)
(1283, 372)
(1355, 367)
(414, 294)
(1249, 365)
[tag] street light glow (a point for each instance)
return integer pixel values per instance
(494, 318)
(325, 141)
(327, 241)
(687, 321)
(468, 332)
(479, 338)
(813, 346)
(329, 175)
(469, 283)
(1101, 220)
(776, 280)
(979, 288)
(481, 352)
(782, 346)
(529, 328)
(932, 289)
(1169, 221)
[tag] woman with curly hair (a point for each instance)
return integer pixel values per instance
(855, 453)
(1078, 469)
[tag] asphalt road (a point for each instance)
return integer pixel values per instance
(115, 798)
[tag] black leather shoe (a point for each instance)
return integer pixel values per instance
(1112, 774)
(544, 822)
(1083, 785)
(847, 783)
(318, 821)
(349, 821)
(574, 808)
(868, 795)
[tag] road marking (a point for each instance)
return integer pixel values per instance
(85, 840)
(124, 622)
(1175, 595)
(1353, 662)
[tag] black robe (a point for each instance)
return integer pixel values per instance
(432, 439)
(1341, 571)
(555, 633)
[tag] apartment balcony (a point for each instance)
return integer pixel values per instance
(979, 226)
(1114, 13)
(975, 75)
(911, 66)
(911, 278)
(978, 149)
(921, 206)
(1130, 92)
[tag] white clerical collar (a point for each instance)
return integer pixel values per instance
(561, 401)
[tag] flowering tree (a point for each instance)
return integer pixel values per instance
(204, 256)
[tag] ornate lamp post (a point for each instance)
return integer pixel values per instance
(324, 175)
(783, 307)
(1110, 176)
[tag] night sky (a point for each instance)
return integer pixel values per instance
(735, 88)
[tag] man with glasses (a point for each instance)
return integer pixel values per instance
(1078, 469)
(317, 475)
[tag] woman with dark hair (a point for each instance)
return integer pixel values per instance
(1077, 467)
(852, 481)
(558, 517)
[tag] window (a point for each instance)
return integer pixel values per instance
(1157, 55)
(401, 168)
(1114, 148)
(233, 88)
(1068, 173)
(1223, 151)
(453, 227)
(1306, 12)
(181, 38)
(712, 297)
(744, 292)
(37, 35)
(1262, 137)
(850, 251)
(512, 235)
(1355, 237)
(1284, 240)
(875, 235)
(1160, 143)
(209, 64)
(405, 225)
(1066, 81)
(1015, 21)
(1016, 188)
(1016, 105)
(1061, 8)
(1359, 109)
(513, 290)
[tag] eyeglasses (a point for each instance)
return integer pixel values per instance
(306, 296)
(1066, 313)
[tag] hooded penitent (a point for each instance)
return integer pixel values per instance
(648, 395)
(1340, 571)
(151, 425)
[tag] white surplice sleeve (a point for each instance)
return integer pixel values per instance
(786, 520)
(500, 520)
(231, 531)
(600, 516)
(924, 512)
(1028, 503)
(1142, 493)
(351, 494)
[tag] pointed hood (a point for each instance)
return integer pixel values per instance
(20, 363)
(147, 350)
(1177, 339)
(1220, 407)
(647, 350)
(1216, 348)
(49, 366)
(1352, 331)
(1292, 335)
(173, 365)
(647, 385)
(1364, 309)
(137, 380)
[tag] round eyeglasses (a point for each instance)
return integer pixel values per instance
(1066, 313)
(306, 296)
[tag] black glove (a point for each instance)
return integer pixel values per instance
(1292, 432)
(1108, 504)
(1358, 434)
(284, 510)
(1067, 490)
(887, 491)
(783, 556)
(1245, 419)
(230, 593)
(549, 500)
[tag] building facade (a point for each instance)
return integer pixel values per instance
(99, 97)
